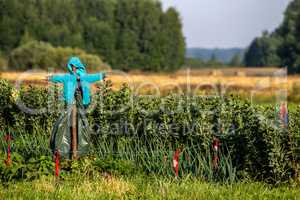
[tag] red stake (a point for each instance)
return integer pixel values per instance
(216, 146)
(8, 153)
(56, 163)
(8, 138)
(176, 161)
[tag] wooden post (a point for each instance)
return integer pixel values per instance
(74, 133)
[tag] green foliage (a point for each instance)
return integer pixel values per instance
(263, 52)
(172, 42)
(289, 31)
(295, 137)
(127, 34)
(116, 167)
(7, 104)
(235, 61)
(40, 55)
(196, 63)
(281, 48)
(22, 169)
(213, 62)
(32, 168)
(26, 38)
(33, 55)
(146, 131)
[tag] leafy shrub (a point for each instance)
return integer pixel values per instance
(20, 168)
(15, 170)
(7, 105)
(147, 131)
(33, 55)
(93, 62)
(118, 167)
(41, 55)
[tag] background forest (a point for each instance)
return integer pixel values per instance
(126, 34)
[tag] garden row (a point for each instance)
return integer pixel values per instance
(147, 130)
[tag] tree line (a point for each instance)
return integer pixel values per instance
(126, 34)
(281, 47)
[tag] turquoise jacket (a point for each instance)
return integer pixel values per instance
(70, 81)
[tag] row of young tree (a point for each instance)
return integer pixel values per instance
(213, 62)
(127, 34)
(281, 47)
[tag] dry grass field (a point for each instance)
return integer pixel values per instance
(266, 82)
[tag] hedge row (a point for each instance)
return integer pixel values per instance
(147, 130)
(41, 55)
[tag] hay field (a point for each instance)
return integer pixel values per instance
(245, 81)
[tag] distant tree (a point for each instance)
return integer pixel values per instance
(174, 49)
(214, 62)
(289, 31)
(280, 48)
(194, 63)
(235, 61)
(100, 39)
(150, 32)
(127, 41)
(213, 58)
(263, 52)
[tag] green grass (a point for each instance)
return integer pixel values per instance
(142, 187)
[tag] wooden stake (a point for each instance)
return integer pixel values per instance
(74, 133)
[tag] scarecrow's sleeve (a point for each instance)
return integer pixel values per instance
(57, 78)
(91, 78)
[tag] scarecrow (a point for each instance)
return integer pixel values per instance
(70, 136)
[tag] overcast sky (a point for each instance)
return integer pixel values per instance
(227, 23)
